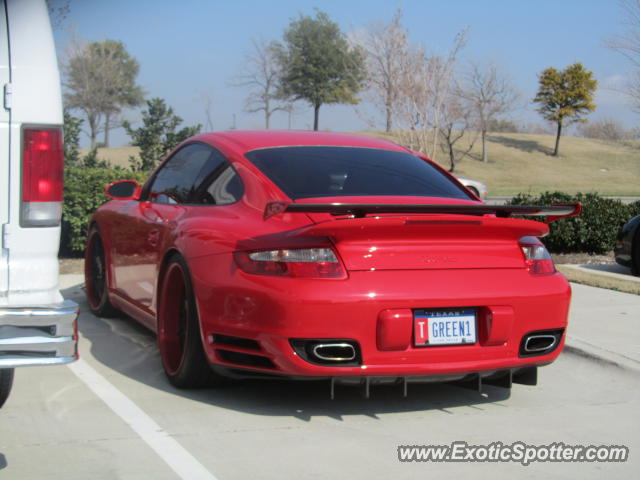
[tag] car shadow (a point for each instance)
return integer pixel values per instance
(124, 346)
(529, 146)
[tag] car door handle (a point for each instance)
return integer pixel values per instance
(153, 238)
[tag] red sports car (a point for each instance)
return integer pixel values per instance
(326, 256)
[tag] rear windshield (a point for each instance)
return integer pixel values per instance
(304, 172)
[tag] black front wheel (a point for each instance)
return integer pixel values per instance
(96, 278)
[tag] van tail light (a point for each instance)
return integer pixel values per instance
(536, 257)
(297, 263)
(42, 177)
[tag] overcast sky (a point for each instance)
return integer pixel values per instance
(189, 50)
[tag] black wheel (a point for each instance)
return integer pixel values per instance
(6, 382)
(179, 337)
(95, 277)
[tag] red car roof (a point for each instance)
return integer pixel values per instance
(253, 139)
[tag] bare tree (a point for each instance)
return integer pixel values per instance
(456, 126)
(605, 129)
(441, 75)
(490, 93)
(261, 73)
(425, 86)
(207, 104)
(629, 46)
(387, 50)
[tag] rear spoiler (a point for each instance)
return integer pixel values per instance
(360, 210)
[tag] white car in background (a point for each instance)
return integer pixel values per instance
(479, 189)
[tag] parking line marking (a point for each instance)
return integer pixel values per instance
(167, 448)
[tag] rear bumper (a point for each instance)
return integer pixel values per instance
(249, 322)
(38, 335)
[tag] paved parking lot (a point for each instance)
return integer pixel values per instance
(114, 416)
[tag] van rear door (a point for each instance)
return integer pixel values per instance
(5, 119)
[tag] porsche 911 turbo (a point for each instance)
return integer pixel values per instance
(310, 255)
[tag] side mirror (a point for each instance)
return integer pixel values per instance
(123, 190)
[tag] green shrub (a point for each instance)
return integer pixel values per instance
(634, 208)
(83, 194)
(593, 231)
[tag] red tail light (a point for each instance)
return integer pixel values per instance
(42, 177)
(536, 256)
(299, 263)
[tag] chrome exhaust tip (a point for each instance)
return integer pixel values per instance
(539, 343)
(334, 352)
(339, 352)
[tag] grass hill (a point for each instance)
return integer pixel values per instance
(521, 162)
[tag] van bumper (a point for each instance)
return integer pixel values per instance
(39, 335)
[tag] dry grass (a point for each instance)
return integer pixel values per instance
(600, 281)
(115, 156)
(521, 162)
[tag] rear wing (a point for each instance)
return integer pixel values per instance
(359, 210)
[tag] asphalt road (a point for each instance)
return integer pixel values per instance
(113, 416)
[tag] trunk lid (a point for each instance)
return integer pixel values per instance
(420, 242)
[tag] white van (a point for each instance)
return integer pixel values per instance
(37, 327)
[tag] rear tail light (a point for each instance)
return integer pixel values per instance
(301, 262)
(536, 256)
(42, 177)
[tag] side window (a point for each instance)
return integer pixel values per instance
(175, 182)
(196, 174)
(219, 185)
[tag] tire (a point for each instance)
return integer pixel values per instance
(179, 338)
(6, 382)
(96, 278)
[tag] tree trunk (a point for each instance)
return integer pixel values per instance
(452, 158)
(389, 112)
(267, 113)
(557, 149)
(434, 144)
(316, 116)
(93, 127)
(107, 117)
(485, 156)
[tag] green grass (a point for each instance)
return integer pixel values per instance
(520, 162)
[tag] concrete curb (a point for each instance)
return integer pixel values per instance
(575, 346)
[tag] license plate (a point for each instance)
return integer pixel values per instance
(444, 327)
